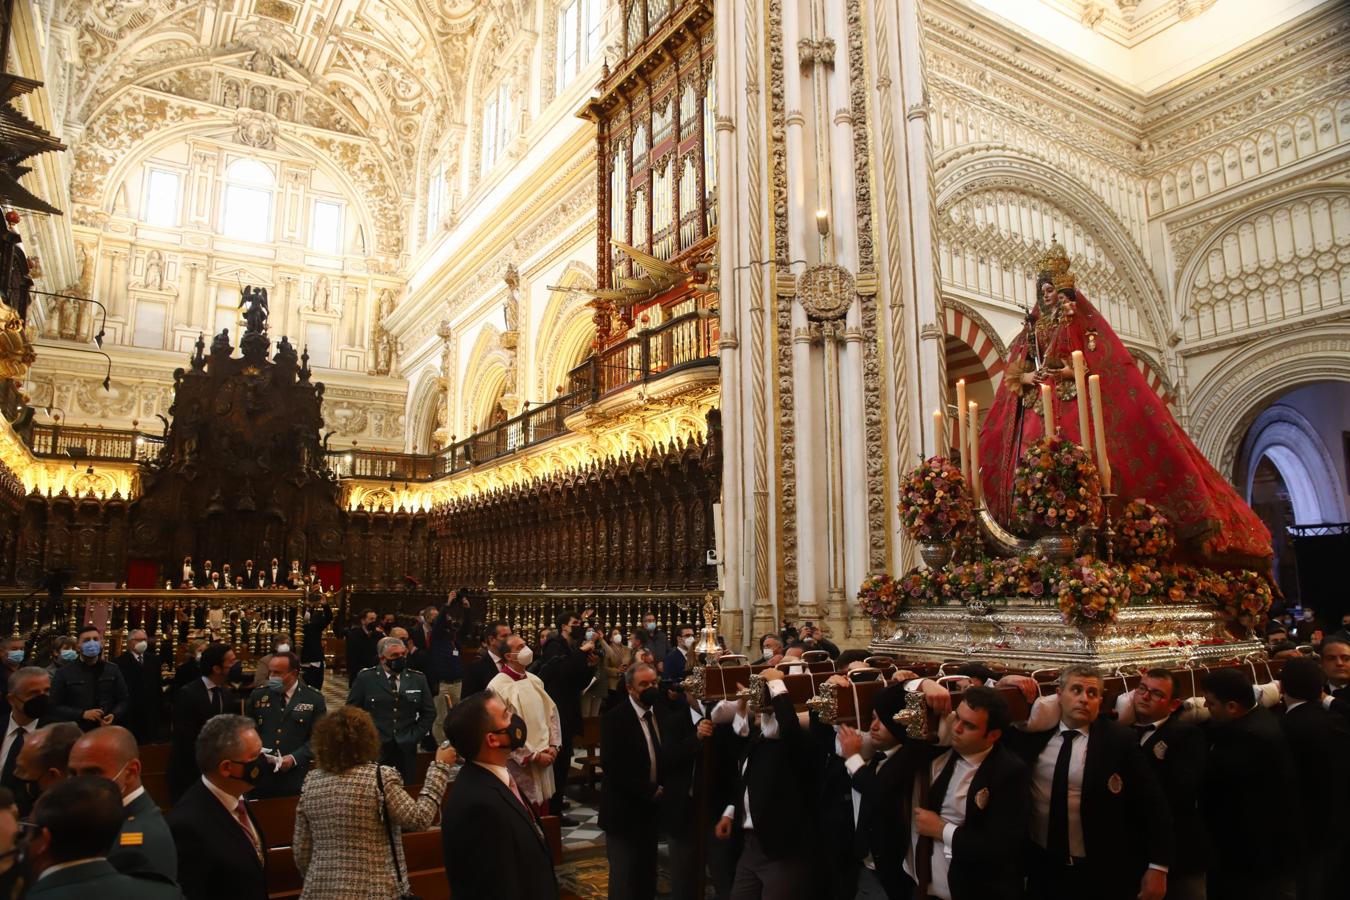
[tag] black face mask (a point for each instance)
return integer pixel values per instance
(649, 697)
(252, 770)
(398, 665)
(516, 732)
(578, 633)
(36, 707)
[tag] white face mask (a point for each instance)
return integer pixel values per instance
(283, 648)
(768, 650)
(525, 656)
(688, 642)
(139, 646)
(616, 638)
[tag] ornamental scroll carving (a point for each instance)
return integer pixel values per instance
(826, 292)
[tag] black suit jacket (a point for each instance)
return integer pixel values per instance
(478, 673)
(1176, 754)
(319, 619)
(492, 844)
(777, 773)
(1125, 817)
(883, 824)
(627, 793)
(216, 860)
(708, 766)
(986, 848)
(1238, 750)
(565, 671)
(1340, 700)
(145, 690)
(192, 706)
(1319, 742)
(7, 778)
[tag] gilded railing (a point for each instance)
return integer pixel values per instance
(529, 612)
(244, 619)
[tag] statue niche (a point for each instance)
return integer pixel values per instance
(242, 473)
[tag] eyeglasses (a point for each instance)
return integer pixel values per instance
(1155, 694)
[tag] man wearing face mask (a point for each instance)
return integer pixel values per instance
(490, 659)
(221, 848)
(29, 693)
(15, 654)
(361, 640)
(281, 643)
(656, 636)
(772, 648)
(63, 654)
(142, 672)
(631, 756)
(144, 847)
(491, 840)
(532, 764)
(92, 693)
(285, 710)
(680, 657)
(193, 705)
(567, 666)
(400, 702)
(41, 762)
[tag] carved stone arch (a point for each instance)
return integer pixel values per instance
(1212, 303)
(1154, 374)
(1292, 444)
(484, 380)
(1235, 392)
(968, 170)
(562, 326)
(423, 398)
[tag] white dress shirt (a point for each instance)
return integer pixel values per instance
(768, 730)
(12, 733)
(1145, 735)
(1042, 782)
(952, 813)
(642, 711)
(131, 798)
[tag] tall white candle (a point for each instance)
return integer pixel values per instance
(1099, 427)
(939, 434)
(977, 488)
(1080, 382)
(1048, 408)
(962, 439)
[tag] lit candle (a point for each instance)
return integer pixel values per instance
(939, 434)
(1080, 382)
(1099, 426)
(962, 440)
(1048, 409)
(977, 489)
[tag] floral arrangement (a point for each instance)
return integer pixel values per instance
(1143, 532)
(1143, 583)
(922, 585)
(934, 502)
(1089, 592)
(877, 595)
(1248, 596)
(974, 581)
(1056, 487)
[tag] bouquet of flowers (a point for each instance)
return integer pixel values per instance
(972, 581)
(934, 503)
(1056, 487)
(1143, 583)
(1089, 592)
(876, 595)
(921, 584)
(1143, 532)
(1248, 596)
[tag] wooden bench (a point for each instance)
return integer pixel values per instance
(155, 757)
(587, 766)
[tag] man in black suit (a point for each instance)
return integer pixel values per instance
(776, 771)
(272, 575)
(361, 640)
(144, 847)
(221, 848)
(1319, 741)
(250, 575)
(1100, 825)
(43, 761)
(1336, 668)
(1175, 750)
(567, 665)
(1244, 738)
(28, 709)
(492, 843)
(193, 705)
(631, 756)
(142, 672)
(312, 662)
(489, 662)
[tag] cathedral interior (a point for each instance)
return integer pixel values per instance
(628, 304)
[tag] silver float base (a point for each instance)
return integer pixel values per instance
(1025, 635)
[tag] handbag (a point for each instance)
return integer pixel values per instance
(389, 835)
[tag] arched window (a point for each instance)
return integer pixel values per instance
(436, 198)
(498, 124)
(247, 212)
(580, 24)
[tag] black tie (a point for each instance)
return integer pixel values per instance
(1141, 732)
(656, 740)
(216, 703)
(7, 772)
(938, 792)
(1057, 836)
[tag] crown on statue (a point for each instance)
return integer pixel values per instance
(1054, 264)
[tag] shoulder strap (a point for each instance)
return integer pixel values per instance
(388, 828)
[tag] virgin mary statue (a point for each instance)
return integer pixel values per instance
(1151, 457)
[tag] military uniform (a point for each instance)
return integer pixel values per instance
(285, 728)
(403, 716)
(144, 847)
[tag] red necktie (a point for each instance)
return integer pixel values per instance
(241, 815)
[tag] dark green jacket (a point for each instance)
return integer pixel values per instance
(404, 718)
(286, 728)
(144, 847)
(98, 879)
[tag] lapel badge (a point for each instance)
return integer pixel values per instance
(1160, 749)
(1114, 784)
(982, 797)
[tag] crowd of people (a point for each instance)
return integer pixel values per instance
(271, 577)
(1158, 797)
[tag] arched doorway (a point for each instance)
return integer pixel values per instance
(973, 353)
(1292, 466)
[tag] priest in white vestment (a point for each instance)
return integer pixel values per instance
(532, 765)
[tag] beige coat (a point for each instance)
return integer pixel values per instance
(340, 845)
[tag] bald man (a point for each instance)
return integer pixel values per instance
(144, 847)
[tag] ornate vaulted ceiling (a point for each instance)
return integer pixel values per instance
(371, 84)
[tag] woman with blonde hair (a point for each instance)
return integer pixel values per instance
(352, 812)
